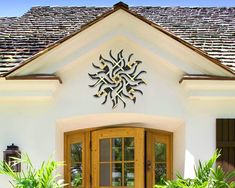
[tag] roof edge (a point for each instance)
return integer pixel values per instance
(36, 77)
(205, 77)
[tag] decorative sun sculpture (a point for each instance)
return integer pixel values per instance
(117, 78)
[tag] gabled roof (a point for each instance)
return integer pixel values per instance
(210, 29)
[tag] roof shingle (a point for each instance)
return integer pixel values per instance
(210, 29)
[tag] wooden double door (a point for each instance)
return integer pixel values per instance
(117, 157)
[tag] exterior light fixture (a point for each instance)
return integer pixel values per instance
(11, 152)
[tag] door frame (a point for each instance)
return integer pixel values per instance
(88, 150)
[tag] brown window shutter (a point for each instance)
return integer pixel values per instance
(225, 141)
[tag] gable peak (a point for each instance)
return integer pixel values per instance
(120, 5)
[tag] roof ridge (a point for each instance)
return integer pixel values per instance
(35, 8)
(72, 6)
(131, 6)
(98, 6)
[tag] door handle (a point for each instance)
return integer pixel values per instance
(149, 165)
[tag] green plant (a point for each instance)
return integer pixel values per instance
(222, 179)
(205, 177)
(30, 177)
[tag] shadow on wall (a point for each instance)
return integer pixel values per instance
(200, 142)
(179, 151)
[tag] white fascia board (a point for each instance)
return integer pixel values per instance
(209, 89)
(27, 89)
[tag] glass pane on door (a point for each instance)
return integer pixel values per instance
(129, 149)
(76, 164)
(160, 173)
(105, 174)
(117, 149)
(117, 174)
(105, 150)
(129, 174)
(160, 162)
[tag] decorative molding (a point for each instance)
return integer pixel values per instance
(209, 89)
(27, 89)
(117, 78)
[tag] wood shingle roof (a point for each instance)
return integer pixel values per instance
(210, 29)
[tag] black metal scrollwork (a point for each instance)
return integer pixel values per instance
(117, 78)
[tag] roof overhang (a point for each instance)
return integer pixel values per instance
(33, 87)
(208, 87)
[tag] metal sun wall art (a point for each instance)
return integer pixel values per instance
(117, 78)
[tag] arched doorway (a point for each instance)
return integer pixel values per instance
(117, 157)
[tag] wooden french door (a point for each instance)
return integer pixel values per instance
(118, 158)
(158, 157)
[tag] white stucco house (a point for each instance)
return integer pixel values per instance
(123, 95)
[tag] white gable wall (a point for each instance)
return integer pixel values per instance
(37, 125)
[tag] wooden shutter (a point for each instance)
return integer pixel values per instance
(225, 141)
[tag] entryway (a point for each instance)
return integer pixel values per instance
(118, 157)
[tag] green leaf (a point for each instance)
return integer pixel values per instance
(30, 177)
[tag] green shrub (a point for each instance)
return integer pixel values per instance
(31, 177)
(205, 177)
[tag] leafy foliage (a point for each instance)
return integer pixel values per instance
(31, 177)
(205, 177)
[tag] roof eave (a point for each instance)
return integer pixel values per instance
(36, 77)
(205, 77)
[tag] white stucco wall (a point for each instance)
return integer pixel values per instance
(37, 126)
